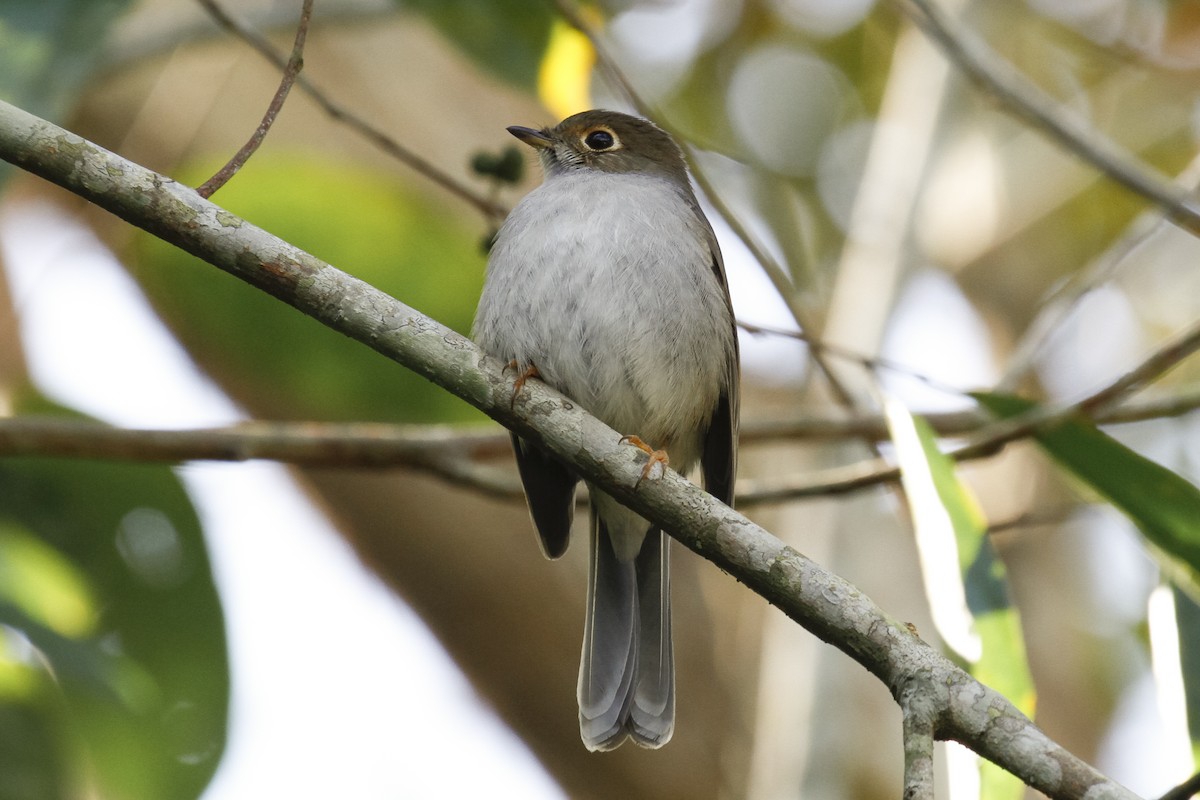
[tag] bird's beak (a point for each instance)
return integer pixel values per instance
(539, 140)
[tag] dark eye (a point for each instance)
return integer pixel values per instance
(600, 140)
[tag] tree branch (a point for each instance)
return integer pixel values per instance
(918, 728)
(825, 604)
(452, 452)
(1184, 791)
(1035, 107)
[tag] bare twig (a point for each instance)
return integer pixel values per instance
(1188, 789)
(294, 64)
(871, 363)
(485, 205)
(1030, 104)
(952, 423)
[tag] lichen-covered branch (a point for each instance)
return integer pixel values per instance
(918, 727)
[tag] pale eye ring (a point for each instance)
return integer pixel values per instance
(600, 140)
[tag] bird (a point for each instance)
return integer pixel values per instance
(606, 282)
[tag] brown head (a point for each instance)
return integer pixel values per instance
(608, 141)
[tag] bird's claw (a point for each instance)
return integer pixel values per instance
(657, 458)
(519, 383)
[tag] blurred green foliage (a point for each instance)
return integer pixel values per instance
(113, 669)
(506, 38)
(48, 48)
(284, 365)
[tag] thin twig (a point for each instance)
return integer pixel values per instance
(952, 423)
(292, 69)
(488, 207)
(1035, 107)
(1188, 789)
(990, 439)
(874, 364)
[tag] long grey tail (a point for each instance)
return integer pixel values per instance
(627, 673)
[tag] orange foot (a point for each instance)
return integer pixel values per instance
(530, 372)
(658, 458)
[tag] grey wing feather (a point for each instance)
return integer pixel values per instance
(550, 490)
(718, 459)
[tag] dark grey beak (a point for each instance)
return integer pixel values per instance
(539, 140)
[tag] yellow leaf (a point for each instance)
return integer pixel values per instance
(565, 76)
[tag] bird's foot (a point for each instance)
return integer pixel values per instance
(657, 463)
(529, 372)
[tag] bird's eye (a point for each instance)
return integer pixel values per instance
(600, 140)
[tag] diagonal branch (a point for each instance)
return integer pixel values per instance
(1184, 791)
(1030, 104)
(831, 608)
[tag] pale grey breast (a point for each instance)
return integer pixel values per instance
(615, 292)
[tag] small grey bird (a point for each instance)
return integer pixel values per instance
(607, 283)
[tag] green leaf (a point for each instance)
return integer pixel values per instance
(507, 38)
(947, 518)
(105, 575)
(1187, 620)
(283, 365)
(1164, 506)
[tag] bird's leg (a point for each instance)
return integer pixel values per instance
(529, 372)
(657, 458)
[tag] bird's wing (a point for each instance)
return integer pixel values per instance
(719, 459)
(550, 490)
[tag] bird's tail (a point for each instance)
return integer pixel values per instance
(627, 673)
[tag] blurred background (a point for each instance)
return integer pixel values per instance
(248, 630)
